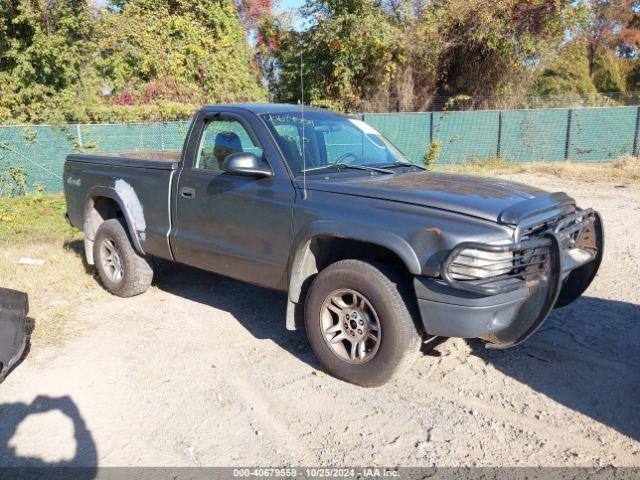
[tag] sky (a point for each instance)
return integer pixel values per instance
(283, 5)
(292, 3)
(299, 23)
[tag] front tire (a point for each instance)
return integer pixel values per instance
(122, 271)
(360, 323)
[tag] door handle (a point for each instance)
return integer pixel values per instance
(187, 192)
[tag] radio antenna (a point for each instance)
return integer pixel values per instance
(302, 148)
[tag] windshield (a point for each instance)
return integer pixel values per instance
(327, 139)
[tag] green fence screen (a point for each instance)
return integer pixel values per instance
(534, 135)
(602, 133)
(407, 131)
(36, 152)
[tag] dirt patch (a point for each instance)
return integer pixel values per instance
(200, 371)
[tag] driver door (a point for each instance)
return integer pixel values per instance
(235, 225)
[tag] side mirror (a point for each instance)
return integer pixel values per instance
(247, 164)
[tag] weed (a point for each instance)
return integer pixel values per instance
(35, 217)
(623, 169)
(433, 153)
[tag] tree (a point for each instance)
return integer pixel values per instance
(261, 25)
(191, 51)
(491, 46)
(567, 73)
(609, 24)
(46, 49)
(418, 48)
(401, 54)
(253, 11)
(64, 60)
(347, 53)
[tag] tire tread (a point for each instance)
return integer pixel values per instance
(138, 273)
(402, 303)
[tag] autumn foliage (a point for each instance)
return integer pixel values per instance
(74, 60)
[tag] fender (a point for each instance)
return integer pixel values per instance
(302, 261)
(136, 224)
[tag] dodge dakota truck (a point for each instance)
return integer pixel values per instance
(375, 252)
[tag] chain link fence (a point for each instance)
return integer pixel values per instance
(521, 136)
(32, 156)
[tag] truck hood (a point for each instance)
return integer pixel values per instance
(481, 197)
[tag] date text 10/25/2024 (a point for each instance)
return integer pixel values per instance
(372, 472)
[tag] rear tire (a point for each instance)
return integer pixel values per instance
(376, 294)
(122, 270)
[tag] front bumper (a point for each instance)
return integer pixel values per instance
(508, 309)
(449, 312)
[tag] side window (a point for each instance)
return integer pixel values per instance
(220, 139)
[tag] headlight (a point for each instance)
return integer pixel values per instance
(472, 264)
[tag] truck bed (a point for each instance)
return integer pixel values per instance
(158, 160)
(141, 179)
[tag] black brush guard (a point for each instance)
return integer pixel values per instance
(551, 286)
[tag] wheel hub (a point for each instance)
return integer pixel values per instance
(355, 325)
(111, 259)
(351, 326)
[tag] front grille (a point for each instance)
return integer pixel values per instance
(533, 262)
(575, 230)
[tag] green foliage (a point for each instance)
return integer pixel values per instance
(609, 75)
(568, 73)
(493, 48)
(13, 181)
(187, 51)
(633, 77)
(153, 60)
(432, 155)
(36, 216)
(383, 55)
(346, 54)
(140, 60)
(161, 111)
(44, 47)
(29, 134)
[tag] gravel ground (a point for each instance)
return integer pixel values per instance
(200, 371)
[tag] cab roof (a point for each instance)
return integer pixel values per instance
(261, 108)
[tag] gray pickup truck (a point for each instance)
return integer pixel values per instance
(373, 251)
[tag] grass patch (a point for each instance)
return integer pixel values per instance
(624, 169)
(34, 226)
(55, 289)
(34, 218)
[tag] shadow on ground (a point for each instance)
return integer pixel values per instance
(77, 247)
(260, 310)
(82, 466)
(586, 356)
